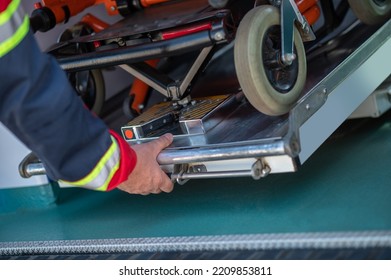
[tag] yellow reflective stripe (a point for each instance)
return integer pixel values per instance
(7, 14)
(9, 44)
(98, 169)
(106, 184)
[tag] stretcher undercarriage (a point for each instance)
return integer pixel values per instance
(223, 136)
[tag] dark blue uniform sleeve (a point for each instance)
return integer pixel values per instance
(40, 107)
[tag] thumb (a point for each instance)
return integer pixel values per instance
(162, 142)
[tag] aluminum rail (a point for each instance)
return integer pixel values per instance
(237, 150)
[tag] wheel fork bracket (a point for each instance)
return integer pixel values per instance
(289, 15)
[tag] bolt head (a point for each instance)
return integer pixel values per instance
(288, 58)
(80, 88)
(219, 36)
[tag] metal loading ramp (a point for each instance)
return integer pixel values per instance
(232, 139)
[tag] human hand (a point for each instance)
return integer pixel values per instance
(147, 177)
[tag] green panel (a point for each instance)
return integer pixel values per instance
(27, 198)
(344, 186)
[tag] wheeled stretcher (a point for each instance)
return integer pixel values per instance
(258, 129)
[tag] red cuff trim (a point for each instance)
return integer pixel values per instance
(4, 5)
(128, 160)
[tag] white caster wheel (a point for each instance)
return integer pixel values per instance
(269, 85)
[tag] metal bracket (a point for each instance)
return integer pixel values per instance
(289, 14)
(305, 108)
(177, 175)
(260, 170)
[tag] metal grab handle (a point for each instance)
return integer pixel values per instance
(31, 166)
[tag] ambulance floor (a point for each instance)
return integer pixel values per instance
(344, 187)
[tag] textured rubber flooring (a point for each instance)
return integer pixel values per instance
(293, 254)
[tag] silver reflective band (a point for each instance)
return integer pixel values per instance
(9, 26)
(100, 177)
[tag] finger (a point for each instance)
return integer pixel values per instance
(145, 193)
(167, 185)
(157, 191)
(163, 142)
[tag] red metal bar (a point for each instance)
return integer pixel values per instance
(186, 31)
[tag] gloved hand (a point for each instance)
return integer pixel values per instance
(147, 177)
